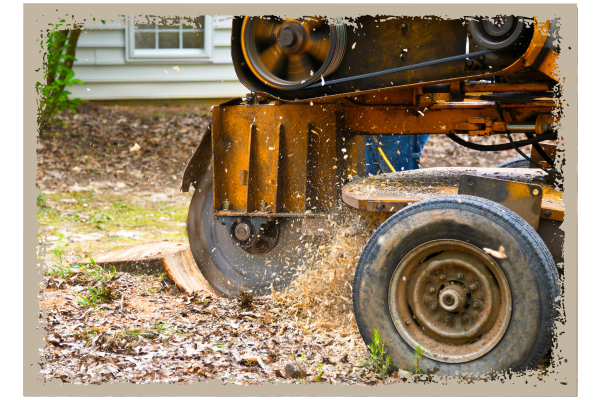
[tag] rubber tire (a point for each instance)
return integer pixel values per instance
(529, 269)
(518, 162)
(228, 268)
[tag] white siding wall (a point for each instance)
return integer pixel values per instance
(107, 75)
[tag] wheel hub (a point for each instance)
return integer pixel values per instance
(242, 232)
(451, 299)
(291, 37)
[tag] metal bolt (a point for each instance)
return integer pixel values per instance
(473, 287)
(469, 62)
(226, 204)
(481, 57)
(380, 206)
(263, 205)
(447, 318)
(443, 277)
(460, 276)
(547, 213)
(476, 304)
(407, 322)
(465, 317)
(434, 307)
(432, 290)
(471, 181)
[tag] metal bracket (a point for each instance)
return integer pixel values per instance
(522, 198)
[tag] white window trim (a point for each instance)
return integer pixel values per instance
(167, 56)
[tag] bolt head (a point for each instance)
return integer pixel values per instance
(432, 290)
(473, 287)
(476, 304)
(380, 206)
(447, 318)
(460, 275)
(434, 307)
(407, 322)
(443, 277)
(465, 317)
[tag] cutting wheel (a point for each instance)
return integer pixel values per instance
(226, 265)
(293, 53)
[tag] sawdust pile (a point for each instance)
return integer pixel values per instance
(321, 293)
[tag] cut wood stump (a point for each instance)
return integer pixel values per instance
(174, 258)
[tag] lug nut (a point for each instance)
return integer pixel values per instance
(465, 317)
(443, 277)
(447, 318)
(434, 307)
(226, 204)
(432, 290)
(460, 276)
(407, 322)
(473, 287)
(476, 304)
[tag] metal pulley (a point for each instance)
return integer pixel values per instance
(293, 53)
(499, 32)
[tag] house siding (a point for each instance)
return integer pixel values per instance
(107, 74)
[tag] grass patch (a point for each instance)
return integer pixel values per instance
(89, 213)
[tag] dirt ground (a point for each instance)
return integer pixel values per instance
(97, 194)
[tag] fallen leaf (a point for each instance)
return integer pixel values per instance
(135, 147)
(496, 254)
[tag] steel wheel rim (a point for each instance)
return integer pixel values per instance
(285, 63)
(436, 265)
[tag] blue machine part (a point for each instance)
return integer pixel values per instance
(403, 152)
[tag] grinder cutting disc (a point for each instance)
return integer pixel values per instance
(226, 265)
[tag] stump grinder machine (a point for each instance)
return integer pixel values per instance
(465, 263)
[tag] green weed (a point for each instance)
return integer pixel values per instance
(162, 327)
(221, 346)
(59, 251)
(97, 296)
(319, 377)
(377, 360)
(416, 367)
(64, 271)
(87, 334)
(300, 363)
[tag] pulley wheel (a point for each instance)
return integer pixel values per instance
(225, 264)
(499, 32)
(293, 53)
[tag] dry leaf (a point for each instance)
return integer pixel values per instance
(135, 147)
(496, 254)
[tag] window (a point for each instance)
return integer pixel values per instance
(171, 39)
